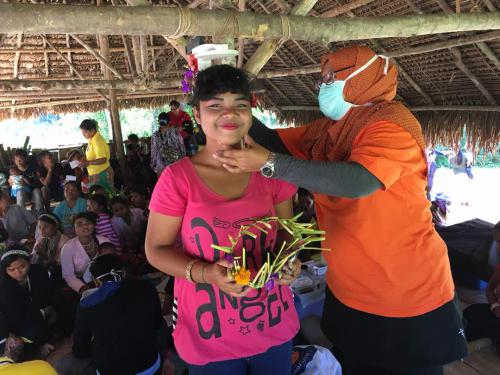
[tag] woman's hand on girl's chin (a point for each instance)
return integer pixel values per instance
(250, 159)
(216, 274)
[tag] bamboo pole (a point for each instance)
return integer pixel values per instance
(241, 42)
(267, 49)
(88, 100)
(345, 8)
(20, 85)
(128, 52)
(18, 55)
(97, 55)
(71, 19)
(37, 49)
(59, 53)
(468, 108)
(73, 69)
(275, 73)
(69, 54)
(136, 48)
(452, 108)
(445, 44)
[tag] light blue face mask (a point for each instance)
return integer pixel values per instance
(331, 100)
(331, 97)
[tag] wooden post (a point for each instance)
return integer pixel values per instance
(113, 105)
(241, 42)
(117, 132)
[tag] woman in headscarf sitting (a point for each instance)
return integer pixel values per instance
(26, 299)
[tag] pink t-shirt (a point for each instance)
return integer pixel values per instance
(210, 325)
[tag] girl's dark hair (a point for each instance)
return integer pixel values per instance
(74, 183)
(8, 260)
(105, 245)
(103, 264)
(51, 219)
(163, 118)
(133, 137)
(119, 200)
(101, 200)
(219, 79)
(89, 124)
(21, 153)
(90, 216)
(94, 188)
(140, 189)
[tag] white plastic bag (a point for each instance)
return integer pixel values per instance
(315, 360)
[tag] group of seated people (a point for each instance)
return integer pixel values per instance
(57, 254)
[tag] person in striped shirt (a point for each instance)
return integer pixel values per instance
(98, 204)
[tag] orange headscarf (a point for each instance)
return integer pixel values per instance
(369, 86)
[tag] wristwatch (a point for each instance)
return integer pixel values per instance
(267, 170)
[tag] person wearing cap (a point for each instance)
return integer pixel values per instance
(26, 298)
(389, 305)
(11, 348)
(116, 325)
(167, 145)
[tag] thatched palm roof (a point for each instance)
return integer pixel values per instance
(447, 87)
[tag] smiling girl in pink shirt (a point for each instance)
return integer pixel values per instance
(220, 326)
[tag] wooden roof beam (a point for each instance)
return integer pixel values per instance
(59, 53)
(68, 45)
(131, 85)
(49, 19)
(337, 11)
(267, 49)
(241, 41)
(460, 65)
(467, 108)
(45, 40)
(18, 55)
(46, 60)
(98, 56)
(435, 46)
(459, 61)
(88, 100)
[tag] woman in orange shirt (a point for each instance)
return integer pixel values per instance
(389, 306)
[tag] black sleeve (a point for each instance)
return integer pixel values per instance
(156, 305)
(267, 137)
(82, 336)
(41, 286)
(340, 179)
